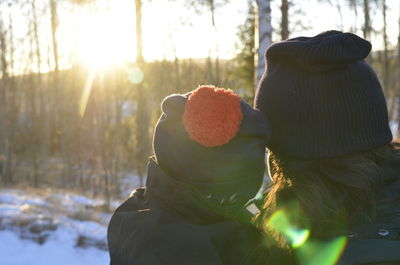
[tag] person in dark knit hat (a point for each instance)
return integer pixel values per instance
(209, 149)
(335, 173)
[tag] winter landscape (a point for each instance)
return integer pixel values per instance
(54, 227)
(51, 228)
(82, 81)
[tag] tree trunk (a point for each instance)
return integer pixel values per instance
(177, 74)
(3, 49)
(142, 112)
(117, 143)
(41, 107)
(11, 111)
(367, 21)
(385, 52)
(285, 20)
(34, 50)
(339, 9)
(210, 76)
(139, 48)
(56, 103)
(398, 81)
(54, 27)
(4, 141)
(37, 43)
(216, 80)
(264, 33)
(354, 6)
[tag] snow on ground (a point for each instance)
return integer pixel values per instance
(52, 228)
(130, 182)
(394, 126)
(48, 227)
(58, 250)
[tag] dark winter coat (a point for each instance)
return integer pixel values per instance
(379, 243)
(160, 225)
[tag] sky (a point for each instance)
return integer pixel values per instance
(170, 29)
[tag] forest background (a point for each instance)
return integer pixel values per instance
(82, 80)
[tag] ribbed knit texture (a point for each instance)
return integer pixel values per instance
(321, 98)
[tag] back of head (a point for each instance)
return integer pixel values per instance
(330, 128)
(321, 97)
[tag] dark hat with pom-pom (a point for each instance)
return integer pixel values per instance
(321, 97)
(213, 143)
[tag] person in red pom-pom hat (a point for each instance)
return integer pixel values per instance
(208, 163)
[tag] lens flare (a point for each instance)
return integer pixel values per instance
(321, 253)
(86, 92)
(309, 251)
(280, 222)
(100, 42)
(135, 75)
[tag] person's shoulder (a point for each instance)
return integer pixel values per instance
(379, 242)
(130, 230)
(136, 201)
(371, 251)
(131, 213)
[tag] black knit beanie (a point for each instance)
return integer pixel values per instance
(212, 143)
(321, 97)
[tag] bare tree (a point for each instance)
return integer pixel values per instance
(56, 108)
(398, 55)
(367, 21)
(284, 19)
(246, 56)
(32, 95)
(36, 37)
(142, 115)
(264, 34)
(3, 58)
(211, 6)
(385, 49)
(139, 46)
(354, 7)
(5, 144)
(398, 45)
(54, 27)
(11, 110)
(398, 82)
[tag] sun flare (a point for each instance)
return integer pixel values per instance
(102, 41)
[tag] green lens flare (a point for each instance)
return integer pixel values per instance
(321, 253)
(296, 236)
(308, 251)
(135, 75)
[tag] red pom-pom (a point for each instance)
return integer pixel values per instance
(212, 115)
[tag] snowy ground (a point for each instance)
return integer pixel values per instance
(49, 228)
(59, 249)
